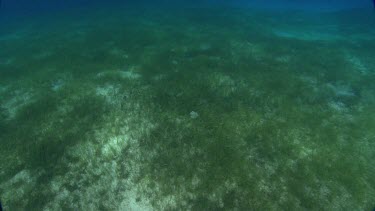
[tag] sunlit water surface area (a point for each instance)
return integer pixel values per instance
(221, 108)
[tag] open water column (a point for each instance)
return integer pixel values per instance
(187, 105)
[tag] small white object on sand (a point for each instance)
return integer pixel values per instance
(194, 115)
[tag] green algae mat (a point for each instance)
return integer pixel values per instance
(201, 109)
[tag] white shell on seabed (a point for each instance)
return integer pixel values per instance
(194, 115)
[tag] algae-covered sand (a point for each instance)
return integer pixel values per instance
(200, 109)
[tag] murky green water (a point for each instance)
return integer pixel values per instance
(201, 109)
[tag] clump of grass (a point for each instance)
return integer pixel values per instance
(45, 129)
(66, 130)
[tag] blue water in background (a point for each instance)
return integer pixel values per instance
(13, 10)
(26, 7)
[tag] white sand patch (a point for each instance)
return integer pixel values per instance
(19, 99)
(107, 90)
(357, 63)
(254, 50)
(224, 84)
(119, 53)
(310, 32)
(131, 73)
(341, 90)
(132, 203)
(159, 77)
(99, 180)
(110, 93)
(105, 167)
(114, 146)
(57, 84)
(19, 187)
(306, 35)
(193, 114)
(283, 58)
(338, 106)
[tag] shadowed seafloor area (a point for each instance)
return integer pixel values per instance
(198, 109)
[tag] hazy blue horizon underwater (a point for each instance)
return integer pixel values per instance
(187, 105)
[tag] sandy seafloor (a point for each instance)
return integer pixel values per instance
(195, 109)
